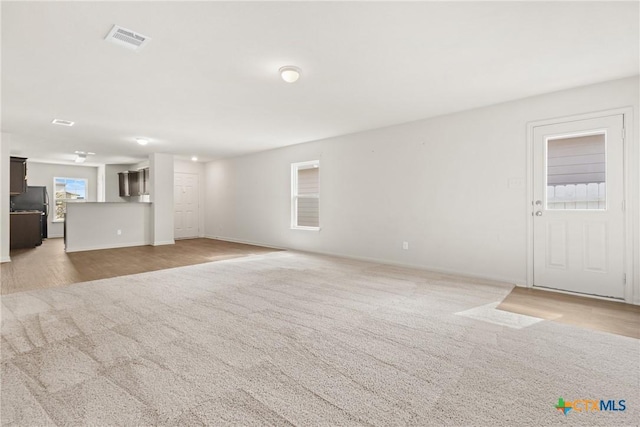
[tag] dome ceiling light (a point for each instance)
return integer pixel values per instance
(290, 73)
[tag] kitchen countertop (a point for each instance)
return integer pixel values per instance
(27, 212)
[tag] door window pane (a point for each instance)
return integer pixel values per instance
(576, 172)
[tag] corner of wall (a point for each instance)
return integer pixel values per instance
(4, 198)
(161, 168)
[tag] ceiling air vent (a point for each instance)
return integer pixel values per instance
(127, 38)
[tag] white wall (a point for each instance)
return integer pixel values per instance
(4, 197)
(93, 226)
(42, 174)
(196, 168)
(440, 184)
(161, 192)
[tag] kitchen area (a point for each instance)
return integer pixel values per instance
(29, 208)
(116, 206)
(82, 207)
(55, 208)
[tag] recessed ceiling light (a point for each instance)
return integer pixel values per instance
(142, 141)
(194, 158)
(290, 73)
(88, 153)
(62, 122)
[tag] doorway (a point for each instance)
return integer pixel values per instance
(578, 210)
(185, 199)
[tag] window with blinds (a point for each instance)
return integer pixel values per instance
(305, 195)
(576, 172)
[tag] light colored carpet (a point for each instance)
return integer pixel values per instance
(297, 339)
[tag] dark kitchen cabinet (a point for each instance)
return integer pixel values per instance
(128, 183)
(18, 176)
(123, 184)
(144, 175)
(134, 183)
(25, 230)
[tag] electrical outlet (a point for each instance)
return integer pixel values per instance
(405, 246)
(119, 232)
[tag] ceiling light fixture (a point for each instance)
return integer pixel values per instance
(194, 159)
(81, 156)
(142, 141)
(62, 122)
(290, 73)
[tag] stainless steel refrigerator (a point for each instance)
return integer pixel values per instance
(34, 199)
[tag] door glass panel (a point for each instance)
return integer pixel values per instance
(576, 173)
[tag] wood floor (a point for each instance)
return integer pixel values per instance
(608, 316)
(50, 266)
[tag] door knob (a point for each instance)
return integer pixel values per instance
(538, 202)
(538, 213)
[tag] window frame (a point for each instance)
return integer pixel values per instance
(295, 167)
(65, 201)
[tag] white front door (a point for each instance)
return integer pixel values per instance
(185, 199)
(578, 223)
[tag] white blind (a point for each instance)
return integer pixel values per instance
(308, 181)
(308, 202)
(576, 160)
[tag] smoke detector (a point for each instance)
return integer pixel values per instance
(127, 38)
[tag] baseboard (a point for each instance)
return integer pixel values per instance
(98, 247)
(469, 275)
(245, 242)
(164, 242)
(54, 236)
(511, 281)
(5, 259)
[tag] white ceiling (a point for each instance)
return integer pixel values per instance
(207, 83)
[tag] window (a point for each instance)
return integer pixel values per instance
(576, 172)
(67, 190)
(305, 195)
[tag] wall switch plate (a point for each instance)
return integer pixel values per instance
(516, 183)
(119, 232)
(405, 246)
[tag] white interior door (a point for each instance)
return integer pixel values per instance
(185, 199)
(578, 221)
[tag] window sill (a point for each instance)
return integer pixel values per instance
(57, 220)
